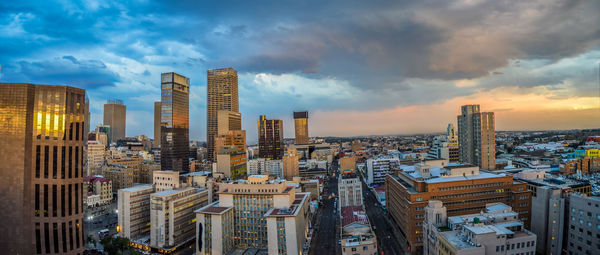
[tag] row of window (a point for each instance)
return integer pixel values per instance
(53, 241)
(70, 159)
(66, 199)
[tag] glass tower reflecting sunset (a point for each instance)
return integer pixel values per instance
(42, 136)
(174, 118)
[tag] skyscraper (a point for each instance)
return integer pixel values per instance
(42, 136)
(222, 94)
(301, 126)
(157, 110)
(476, 134)
(270, 138)
(174, 118)
(115, 114)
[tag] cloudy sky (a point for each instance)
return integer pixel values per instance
(358, 67)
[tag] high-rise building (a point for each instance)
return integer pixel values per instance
(301, 127)
(270, 138)
(477, 139)
(174, 119)
(584, 225)
(157, 111)
(115, 115)
(222, 94)
(462, 188)
(231, 162)
(254, 213)
(291, 164)
(42, 136)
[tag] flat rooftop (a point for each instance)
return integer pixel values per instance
(137, 187)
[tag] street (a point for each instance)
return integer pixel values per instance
(387, 241)
(98, 218)
(326, 235)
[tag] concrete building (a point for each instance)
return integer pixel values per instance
(42, 168)
(115, 116)
(260, 166)
(495, 230)
(462, 188)
(357, 237)
(584, 225)
(254, 213)
(270, 138)
(174, 121)
(550, 203)
(477, 139)
(378, 168)
(222, 94)
(301, 127)
(120, 176)
(133, 205)
(291, 164)
(165, 180)
(172, 216)
(350, 190)
(157, 111)
(445, 146)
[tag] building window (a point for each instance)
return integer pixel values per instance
(70, 162)
(76, 198)
(70, 202)
(37, 200)
(76, 162)
(64, 237)
(46, 157)
(62, 162)
(54, 201)
(55, 233)
(70, 235)
(47, 237)
(38, 238)
(62, 200)
(45, 200)
(37, 162)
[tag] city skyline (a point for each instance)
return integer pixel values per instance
(340, 63)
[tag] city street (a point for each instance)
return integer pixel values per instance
(326, 235)
(387, 241)
(98, 218)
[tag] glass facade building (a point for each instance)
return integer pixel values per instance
(174, 124)
(42, 133)
(301, 127)
(270, 138)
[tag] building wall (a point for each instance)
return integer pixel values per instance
(583, 225)
(165, 180)
(270, 138)
(157, 110)
(301, 127)
(291, 164)
(477, 137)
(42, 136)
(175, 123)
(222, 94)
(134, 211)
(350, 192)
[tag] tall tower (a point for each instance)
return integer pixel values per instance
(476, 134)
(115, 114)
(270, 138)
(42, 131)
(301, 127)
(157, 109)
(174, 122)
(222, 94)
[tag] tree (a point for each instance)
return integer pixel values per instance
(115, 245)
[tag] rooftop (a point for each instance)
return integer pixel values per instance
(137, 187)
(214, 208)
(353, 214)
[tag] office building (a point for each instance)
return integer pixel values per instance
(273, 167)
(100, 186)
(495, 230)
(270, 138)
(301, 127)
(462, 188)
(95, 157)
(350, 190)
(174, 119)
(157, 111)
(357, 236)
(445, 146)
(549, 201)
(172, 216)
(235, 138)
(134, 211)
(477, 139)
(165, 180)
(120, 176)
(584, 225)
(378, 168)
(231, 162)
(222, 94)
(42, 137)
(254, 213)
(115, 116)
(291, 164)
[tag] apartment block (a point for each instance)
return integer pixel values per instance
(97, 185)
(272, 167)
(231, 162)
(378, 168)
(584, 225)
(349, 190)
(476, 134)
(172, 216)
(462, 188)
(120, 176)
(134, 211)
